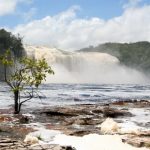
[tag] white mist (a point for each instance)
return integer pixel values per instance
(88, 67)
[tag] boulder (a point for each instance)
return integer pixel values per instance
(31, 139)
(109, 126)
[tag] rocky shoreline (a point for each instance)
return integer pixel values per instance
(74, 120)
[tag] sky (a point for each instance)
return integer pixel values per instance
(75, 24)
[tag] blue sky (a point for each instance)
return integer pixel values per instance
(74, 24)
(37, 9)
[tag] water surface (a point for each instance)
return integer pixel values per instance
(64, 94)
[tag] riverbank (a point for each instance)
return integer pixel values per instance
(81, 121)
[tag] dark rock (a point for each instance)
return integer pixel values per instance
(113, 113)
(24, 119)
(50, 147)
(133, 103)
(88, 121)
(55, 113)
(97, 111)
(77, 100)
(69, 148)
(119, 103)
(12, 144)
(79, 133)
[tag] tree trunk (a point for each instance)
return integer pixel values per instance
(16, 104)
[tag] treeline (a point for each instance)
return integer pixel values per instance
(135, 55)
(11, 42)
(8, 41)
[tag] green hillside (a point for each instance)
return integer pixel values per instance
(135, 55)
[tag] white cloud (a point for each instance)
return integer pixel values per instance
(67, 31)
(131, 3)
(9, 6)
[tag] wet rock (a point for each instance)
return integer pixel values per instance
(50, 147)
(87, 121)
(23, 119)
(14, 131)
(97, 111)
(6, 111)
(55, 113)
(7, 118)
(144, 133)
(68, 110)
(12, 144)
(75, 120)
(79, 133)
(11, 118)
(77, 99)
(138, 141)
(109, 126)
(114, 113)
(68, 148)
(133, 103)
(31, 139)
(121, 103)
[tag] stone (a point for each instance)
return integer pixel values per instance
(138, 141)
(109, 126)
(24, 119)
(79, 133)
(50, 147)
(114, 113)
(31, 139)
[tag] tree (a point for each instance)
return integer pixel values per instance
(25, 73)
(13, 43)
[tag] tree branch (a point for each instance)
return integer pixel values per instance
(30, 97)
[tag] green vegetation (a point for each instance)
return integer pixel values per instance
(13, 43)
(135, 55)
(22, 74)
(27, 74)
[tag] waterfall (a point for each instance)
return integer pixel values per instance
(85, 67)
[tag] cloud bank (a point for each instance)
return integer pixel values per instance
(69, 32)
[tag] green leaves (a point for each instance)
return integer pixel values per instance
(12, 42)
(6, 59)
(35, 71)
(26, 72)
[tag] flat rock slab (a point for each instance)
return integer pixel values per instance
(11, 144)
(50, 147)
(139, 141)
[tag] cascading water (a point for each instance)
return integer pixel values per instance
(85, 67)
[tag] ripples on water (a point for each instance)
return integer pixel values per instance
(62, 94)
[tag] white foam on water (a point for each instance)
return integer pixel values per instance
(137, 123)
(94, 142)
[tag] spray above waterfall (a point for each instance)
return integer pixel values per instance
(85, 67)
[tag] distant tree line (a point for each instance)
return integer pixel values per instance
(8, 41)
(135, 55)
